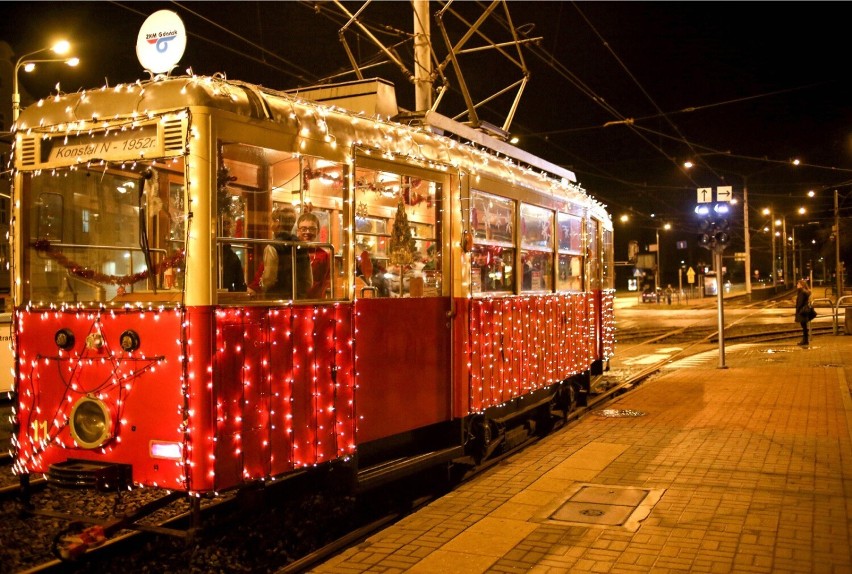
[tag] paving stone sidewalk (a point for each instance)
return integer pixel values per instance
(746, 468)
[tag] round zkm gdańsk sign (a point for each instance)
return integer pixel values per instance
(161, 42)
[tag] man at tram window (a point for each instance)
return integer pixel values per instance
(307, 229)
(233, 278)
(276, 279)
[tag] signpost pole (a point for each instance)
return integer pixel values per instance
(715, 239)
(720, 304)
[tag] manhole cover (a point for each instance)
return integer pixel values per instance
(617, 413)
(603, 505)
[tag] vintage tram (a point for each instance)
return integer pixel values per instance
(461, 290)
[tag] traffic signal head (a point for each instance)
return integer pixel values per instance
(714, 227)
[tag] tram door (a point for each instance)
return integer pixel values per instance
(402, 341)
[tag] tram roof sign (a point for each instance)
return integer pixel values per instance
(161, 42)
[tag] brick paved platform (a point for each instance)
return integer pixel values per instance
(746, 468)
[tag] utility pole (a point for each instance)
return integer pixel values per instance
(837, 246)
(784, 248)
(747, 237)
(657, 270)
(774, 260)
(422, 57)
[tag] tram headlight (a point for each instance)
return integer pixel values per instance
(129, 341)
(64, 339)
(90, 422)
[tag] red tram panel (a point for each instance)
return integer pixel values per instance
(140, 389)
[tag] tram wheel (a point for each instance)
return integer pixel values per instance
(564, 401)
(480, 437)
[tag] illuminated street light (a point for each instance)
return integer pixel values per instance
(28, 65)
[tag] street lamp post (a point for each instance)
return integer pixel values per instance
(774, 268)
(657, 273)
(784, 249)
(796, 269)
(28, 64)
(837, 272)
(747, 239)
(800, 245)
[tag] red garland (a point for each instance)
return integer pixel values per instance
(43, 246)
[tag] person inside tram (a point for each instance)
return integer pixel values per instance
(233, 278)
(430, 263)
(276, 278)
(307, 228)
(527, 282)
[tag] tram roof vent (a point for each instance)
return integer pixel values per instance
(371, 96)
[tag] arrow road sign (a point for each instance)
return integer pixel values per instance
(724, 193)
(705, 195)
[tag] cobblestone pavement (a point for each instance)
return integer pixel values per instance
(746, 468)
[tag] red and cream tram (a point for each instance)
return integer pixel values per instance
(460, 289)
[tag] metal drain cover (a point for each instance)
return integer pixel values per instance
(618, 413)
(601, 514)
(602, 506)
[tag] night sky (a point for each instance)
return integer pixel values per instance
(750, 85)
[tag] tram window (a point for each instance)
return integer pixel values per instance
(537, 271)
(322, 198)
(263, 210)
(536, 248)
(569, 271)
(89, 240)
(569, 276)
(492, 218)
(492, 269)
(397, 246)
(570, 232)
(492, 259)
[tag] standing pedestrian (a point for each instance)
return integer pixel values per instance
(804, 310)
